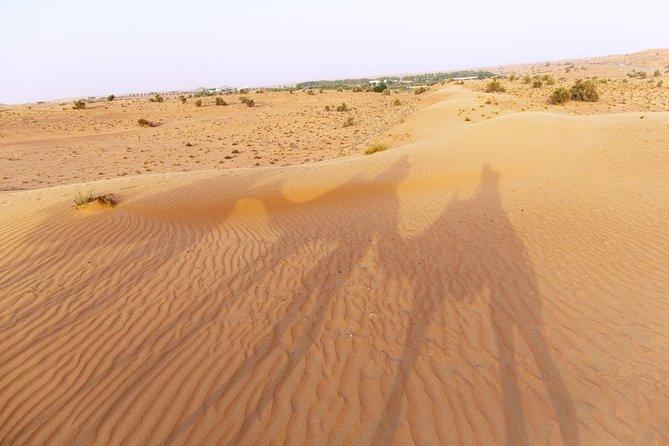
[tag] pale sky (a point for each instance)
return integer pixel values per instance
(76, 48)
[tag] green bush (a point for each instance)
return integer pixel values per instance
(220, 101)
(494, 86)
(79, 105)
(559, 96)
(378, 88)
(584, 90)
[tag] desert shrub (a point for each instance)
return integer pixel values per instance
(220, 101)
(156, 98)
(349, 121)
(79, 105)
(420, 90)
(527, 79)
(342, 107)
(327, 108)
(198, 103)
(356, 89)
(182, 98)
(494, 86)
(584, 90)
(376, 147)
(245, 100)
(244, 91)
(84, 198)
(310, 92)
(250, 103)
(378, 88)
(146, 123)
(110, 98)
(536, 83)
(656, 73)
(660, 83)
(549, 79)
(559, 96)
(397, 102)
(512, 77)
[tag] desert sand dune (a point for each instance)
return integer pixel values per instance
(503, 281)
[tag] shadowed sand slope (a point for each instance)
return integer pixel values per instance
(499, 282)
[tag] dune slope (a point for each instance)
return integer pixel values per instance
(504, 281)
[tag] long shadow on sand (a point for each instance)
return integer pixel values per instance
(473, 247)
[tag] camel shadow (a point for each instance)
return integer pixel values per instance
(478, 250)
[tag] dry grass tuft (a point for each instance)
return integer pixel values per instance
(374, 148)
(82, 199)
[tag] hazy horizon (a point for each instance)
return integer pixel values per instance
(78, 49)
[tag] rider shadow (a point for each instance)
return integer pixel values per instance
(471, 248)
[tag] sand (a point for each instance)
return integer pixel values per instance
(499, 281)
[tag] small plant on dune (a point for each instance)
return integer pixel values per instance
(342, 107)
(349, 121)
(244, 99)
(110, 98)
(549, 79)
(146, 123)
(660, 83)
(420, 90)
(79, 105)
(84, 198)
(198, 103)
(536, 83)
(220, 101)
(183, 99)
(156, 98)
(527, 79)
(374, 148)
(250, 103)
(584, 90)
(397, 102)
(327, 108)
(559, 96)
(494, 86)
